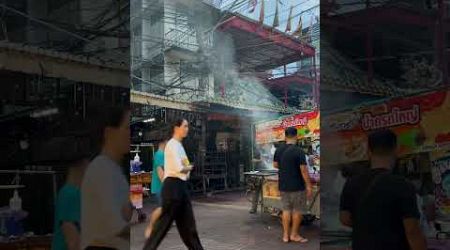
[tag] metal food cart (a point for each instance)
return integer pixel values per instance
(263, 178)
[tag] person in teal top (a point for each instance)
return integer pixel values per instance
(158, 170)
(157, 179)
(66, 235)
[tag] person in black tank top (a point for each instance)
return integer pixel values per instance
(379, 206)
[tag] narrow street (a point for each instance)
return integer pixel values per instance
(224, 223)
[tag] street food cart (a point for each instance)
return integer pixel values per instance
(270, 134)
(422, 126)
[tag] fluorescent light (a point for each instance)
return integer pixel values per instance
(45, 112)
(149, 120)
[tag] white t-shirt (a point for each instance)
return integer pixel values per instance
(104, 193)
(174, 155)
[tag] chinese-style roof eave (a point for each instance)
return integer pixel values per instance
(267, 33)
(261, 47)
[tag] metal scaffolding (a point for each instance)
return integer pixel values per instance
(193, 52)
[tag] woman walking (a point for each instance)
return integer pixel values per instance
(175, 197)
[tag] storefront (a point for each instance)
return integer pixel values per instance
(421, 125)
(218, 143)
(268, 136)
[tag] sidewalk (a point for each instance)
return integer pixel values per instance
(224, 223)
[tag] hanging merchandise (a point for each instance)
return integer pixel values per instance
(288, 26)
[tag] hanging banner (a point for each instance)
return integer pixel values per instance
(420, 122)
(307, 124)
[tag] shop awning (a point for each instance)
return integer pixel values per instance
(33, 60)
(261, 47)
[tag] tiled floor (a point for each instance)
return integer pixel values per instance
(224, 224)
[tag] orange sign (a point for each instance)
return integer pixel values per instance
(420, 122)
(307, 124)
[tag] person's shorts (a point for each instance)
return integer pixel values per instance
(294, 201)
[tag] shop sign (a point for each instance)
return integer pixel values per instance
(294, 121)
(307, 125)
(420, 123)
(395, 117)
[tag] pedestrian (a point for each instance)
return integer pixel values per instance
(294, 185)
(66, 234)
(175, 196)
(106, 207)
(256, 197)
(157, 179)
(379, 206)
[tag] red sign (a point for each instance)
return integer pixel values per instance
(294, 121)
(394, 118)
(420, 123)
(307, 124)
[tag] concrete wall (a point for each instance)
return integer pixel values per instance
(171, 29)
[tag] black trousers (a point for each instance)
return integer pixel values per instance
(176, 206)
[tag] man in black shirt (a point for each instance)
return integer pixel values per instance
(381, 207)
(293, 180)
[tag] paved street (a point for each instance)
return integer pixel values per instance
(224, 223)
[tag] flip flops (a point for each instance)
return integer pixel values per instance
(300, 239)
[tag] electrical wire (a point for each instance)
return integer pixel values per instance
(56, 28)
(47, 24)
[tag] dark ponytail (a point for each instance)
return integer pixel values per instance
(176, 123)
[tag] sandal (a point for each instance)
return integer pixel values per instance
(299, 239)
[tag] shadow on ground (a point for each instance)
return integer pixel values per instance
(224, 223)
